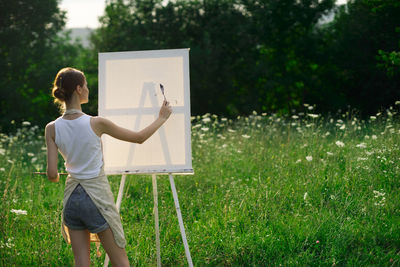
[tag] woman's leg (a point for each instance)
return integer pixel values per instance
(80, 247)
(117, 255)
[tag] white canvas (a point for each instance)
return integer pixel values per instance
(130, 96)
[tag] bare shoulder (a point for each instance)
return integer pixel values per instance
(50, 130)
(99, 124)
(99, 121)
(51, 126)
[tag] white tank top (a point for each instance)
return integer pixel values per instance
(80, 147)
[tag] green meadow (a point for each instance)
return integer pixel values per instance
(268, 190)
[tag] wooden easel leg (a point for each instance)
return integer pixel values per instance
(155, 194)
(118, 204)
(182, 228)
(120, 191)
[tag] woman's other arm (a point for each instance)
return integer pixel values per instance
(103, 125)
(52, 153)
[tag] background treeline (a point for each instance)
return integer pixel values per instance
(264, 55)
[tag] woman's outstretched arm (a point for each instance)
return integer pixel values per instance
(106, 126)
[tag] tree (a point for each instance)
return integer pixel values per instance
(361, 30)
(31, 53)
(245, 55)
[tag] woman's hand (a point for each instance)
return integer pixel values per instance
(165, 110)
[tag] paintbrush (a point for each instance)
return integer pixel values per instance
(44, 173)
(162, 91)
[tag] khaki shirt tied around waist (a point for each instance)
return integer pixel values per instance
(99, 191)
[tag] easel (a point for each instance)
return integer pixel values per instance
(178, 60)
(149, 89)
(156, 224)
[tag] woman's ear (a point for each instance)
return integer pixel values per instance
(79, 89)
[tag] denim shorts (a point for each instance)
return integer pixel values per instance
(81, 213)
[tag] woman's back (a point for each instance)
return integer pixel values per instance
(80, 146)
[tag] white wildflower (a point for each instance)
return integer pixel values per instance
(361, 159)
(26, 123)
(372, 118)
(339, 143)
(310, 107)
(295, 117)
(31, 154)
(397, 103)
(309, 158)
(378, 193)
(374, 137)
(224, 119)
(314, 116)
(362, 145)
(2, 151)
(19, 212)
(205, 129)
(342, 127)
(2, 170)
(246, 136)
(10, 161)
(298, 161)
(196, 126)
(379, 198)
(224, 145)
(8, 244)
(231, 131)
(221, 136)
(305, 195)
(329, 153)
(206, 119)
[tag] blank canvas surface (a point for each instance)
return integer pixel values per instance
(130, 96)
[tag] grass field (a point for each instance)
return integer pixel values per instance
(268, 190)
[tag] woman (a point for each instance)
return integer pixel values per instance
(89, 212)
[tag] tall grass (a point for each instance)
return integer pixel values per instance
(267, 190)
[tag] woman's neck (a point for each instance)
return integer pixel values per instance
(73, 103)
(68, 107)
